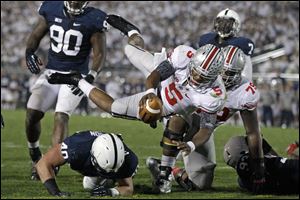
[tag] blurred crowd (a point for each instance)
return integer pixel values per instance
(163, 24)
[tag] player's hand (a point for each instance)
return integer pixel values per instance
(183, 146)
(76, 91)
(71, 79)
(258, 177)
(33, 62)
(145, 97)
(101, 191)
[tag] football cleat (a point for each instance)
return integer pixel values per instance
(153, 165)
(121, 24)
(34, 175)
(164, 181)
(164, 186)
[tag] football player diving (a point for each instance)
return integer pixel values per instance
(75, 30)
(242, 97)
(97, 155)
(282, 174)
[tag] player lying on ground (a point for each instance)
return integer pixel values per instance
(282, 174)
(97, 156)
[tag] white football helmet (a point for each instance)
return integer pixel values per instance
(107, 153)
(75, 7)
(205, 66)
(233, 150)
(227, 23)
(234, 64)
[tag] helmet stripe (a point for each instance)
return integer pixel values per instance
(115, 149)
(211, 55)
(230, 55)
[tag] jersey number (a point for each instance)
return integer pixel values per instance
(62, 40)
(171, 99)
(251, 48)
(251, 87)
(63, 150)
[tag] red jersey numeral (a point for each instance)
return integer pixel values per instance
(171, 99)
(251, 87)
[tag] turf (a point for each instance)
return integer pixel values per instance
(142, 139)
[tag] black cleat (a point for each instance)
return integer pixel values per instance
(34, 175)
(121, 24)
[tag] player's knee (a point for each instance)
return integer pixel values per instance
(136, 40)
(33, 116)
(167, 139)
(203, 179)
(60, 117)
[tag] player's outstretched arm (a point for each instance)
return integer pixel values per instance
(254, 139)
(98, 96)
(45, 166)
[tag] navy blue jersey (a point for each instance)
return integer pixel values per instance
(282, 174)
(76, 151)
(245, 44)
(70, 45)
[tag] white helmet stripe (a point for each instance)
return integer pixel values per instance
(211, 55)
(230, 55)
(115, 150)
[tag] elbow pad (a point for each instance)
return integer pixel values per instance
(165, 69)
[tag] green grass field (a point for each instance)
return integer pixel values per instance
(142, 139)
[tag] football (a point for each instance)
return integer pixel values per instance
(151, 110)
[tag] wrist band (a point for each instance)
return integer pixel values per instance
(191, 145)
(114, 192)
(130, 33)
(151, 90)
(93, 73)
(85, 87)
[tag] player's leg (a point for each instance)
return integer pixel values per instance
(199, 167)
(174, 131)
(42, 98)
(66, 104)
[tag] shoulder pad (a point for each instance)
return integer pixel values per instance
(245, 44)
(207, 38)
(250, 97)
(213, 100)
(97, 18)
(181, 56)
(50, 8)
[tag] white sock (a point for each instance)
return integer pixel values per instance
(168, 161)
(85, 87)
(33, 145)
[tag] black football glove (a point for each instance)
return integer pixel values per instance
(33, 62)
(71, 79)
(258, 177)
(101, 191)
(76, 91)
(121, 24)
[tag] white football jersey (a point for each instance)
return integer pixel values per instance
(179, 97)
(243, 97)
